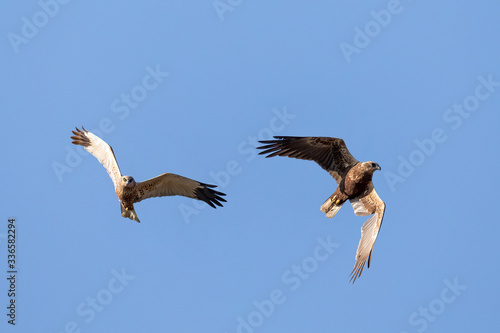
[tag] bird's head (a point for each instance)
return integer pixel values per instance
(372, 166)
(128, 181)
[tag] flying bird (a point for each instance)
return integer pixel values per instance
(130, 192)
(354, 180)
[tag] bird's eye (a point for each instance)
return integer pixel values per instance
(374, 165)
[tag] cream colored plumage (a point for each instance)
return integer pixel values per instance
(130, 192)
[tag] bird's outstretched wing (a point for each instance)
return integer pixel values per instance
(100, 149)
(372, 204)
(330, 153)
(172, 184)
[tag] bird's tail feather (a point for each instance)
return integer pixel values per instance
(330, 208)
(130, 214)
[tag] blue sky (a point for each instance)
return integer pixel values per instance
(188, 88)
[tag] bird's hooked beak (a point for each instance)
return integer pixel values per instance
(378, 167)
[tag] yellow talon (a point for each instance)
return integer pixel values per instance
(335, 200)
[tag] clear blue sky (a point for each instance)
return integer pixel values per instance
(188, 88)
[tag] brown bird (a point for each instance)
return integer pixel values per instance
(354, 181)
(130, 192)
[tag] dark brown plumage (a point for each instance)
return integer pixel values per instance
(354, 180)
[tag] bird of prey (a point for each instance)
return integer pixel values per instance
(130, 192)
(354, 181)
